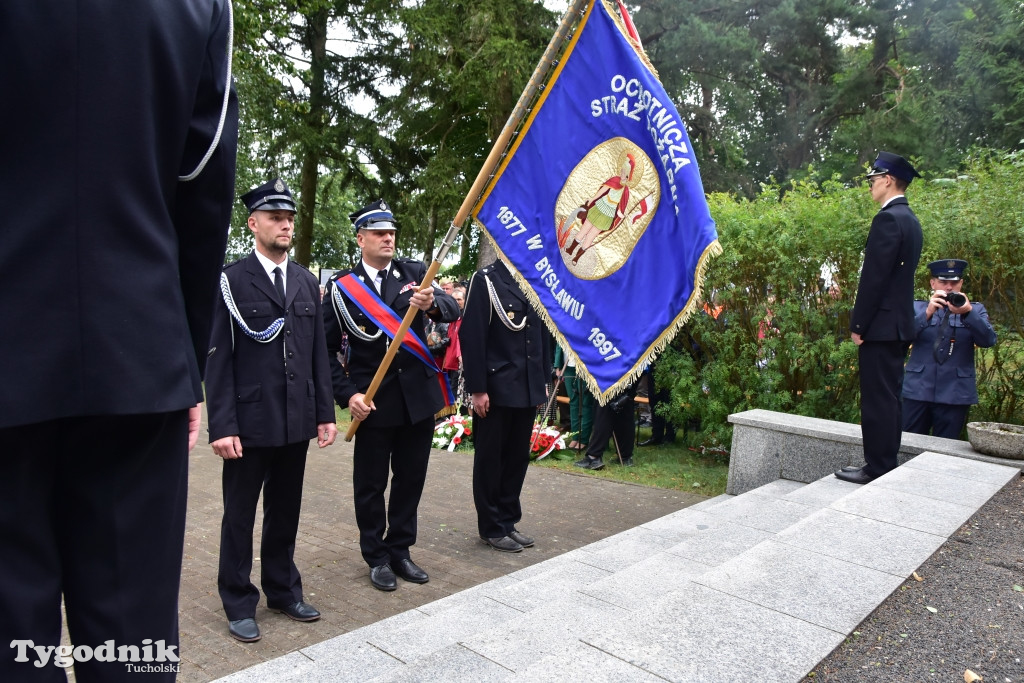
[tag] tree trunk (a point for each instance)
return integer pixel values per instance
(315, 38)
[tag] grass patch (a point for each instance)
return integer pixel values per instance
(679, 466)
(668, 466)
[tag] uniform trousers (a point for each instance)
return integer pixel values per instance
(609, 423)
(278, 472)
(881, 390)
(405, 452)
(92, 508)
(501, 457)
(939, 419)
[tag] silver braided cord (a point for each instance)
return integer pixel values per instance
(500, 310)
(340, 309)
(263, 337)
(223, 107)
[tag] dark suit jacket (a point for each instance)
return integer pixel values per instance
(410, 391)
(274, 393)
(512, 367)
(953, 382)
(109, 264)
(884, 309)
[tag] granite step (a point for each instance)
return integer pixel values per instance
(759, 586)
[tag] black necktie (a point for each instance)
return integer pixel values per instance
(279, 283)
(383, 281)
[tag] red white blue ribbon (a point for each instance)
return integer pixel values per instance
(381, 315)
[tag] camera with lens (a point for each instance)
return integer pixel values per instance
(955, 299)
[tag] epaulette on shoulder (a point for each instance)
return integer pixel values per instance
(407, 260)
(341, 273)
(234, 263)
(295, 263)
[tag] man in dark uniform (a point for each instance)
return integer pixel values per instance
(940, 386)
(118, 173)
(506, 361)
(269, 392)
(882, 320)
(398, 424)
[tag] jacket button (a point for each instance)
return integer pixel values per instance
(291, 354)
(291, 376)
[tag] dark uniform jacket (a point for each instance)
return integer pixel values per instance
(512, 367)
(275, 393)
(410, 391)
(884, 309)
(109, 264)
(952, 382)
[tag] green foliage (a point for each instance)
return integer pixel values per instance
(787, 281)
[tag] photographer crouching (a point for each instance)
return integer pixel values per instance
(939, 385)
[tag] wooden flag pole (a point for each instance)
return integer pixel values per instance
(565, 28)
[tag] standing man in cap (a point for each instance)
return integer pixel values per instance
(118, 173)
(940, 386)
(269, 392)
(506, 361)
(882, 320)
(368, 303)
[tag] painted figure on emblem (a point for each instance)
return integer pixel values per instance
(605, 210)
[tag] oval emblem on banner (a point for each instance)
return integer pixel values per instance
(605, 206)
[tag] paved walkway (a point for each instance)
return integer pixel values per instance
(564, 511)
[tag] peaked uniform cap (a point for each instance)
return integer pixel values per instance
(948, 269)
(270, 196)
(374, 216)
(894, 165)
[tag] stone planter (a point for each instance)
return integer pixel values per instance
(996, 438)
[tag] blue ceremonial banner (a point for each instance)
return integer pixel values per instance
(599, 210)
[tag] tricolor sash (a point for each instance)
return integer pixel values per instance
(381, 315)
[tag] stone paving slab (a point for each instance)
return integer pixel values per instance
(767, 514)
(454, 662)
(550, 630)
(587, 663)
(719, 543)
(700, 634)
(823, 492)
(811, 587)
(905, 509)
(940, 486)
(867, 542)
(959, 467)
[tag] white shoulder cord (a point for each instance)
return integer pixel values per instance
(223, 108)
(341, 311)
(500, 310)
(263, 337)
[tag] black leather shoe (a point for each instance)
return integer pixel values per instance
(300, 611)
(627, 462)
(408, 570)
(382, 578)
(520, 538)
(589, 463)
(851, 468)
(245, 630)
(651, 442)
(857, 476)
(504, 544)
